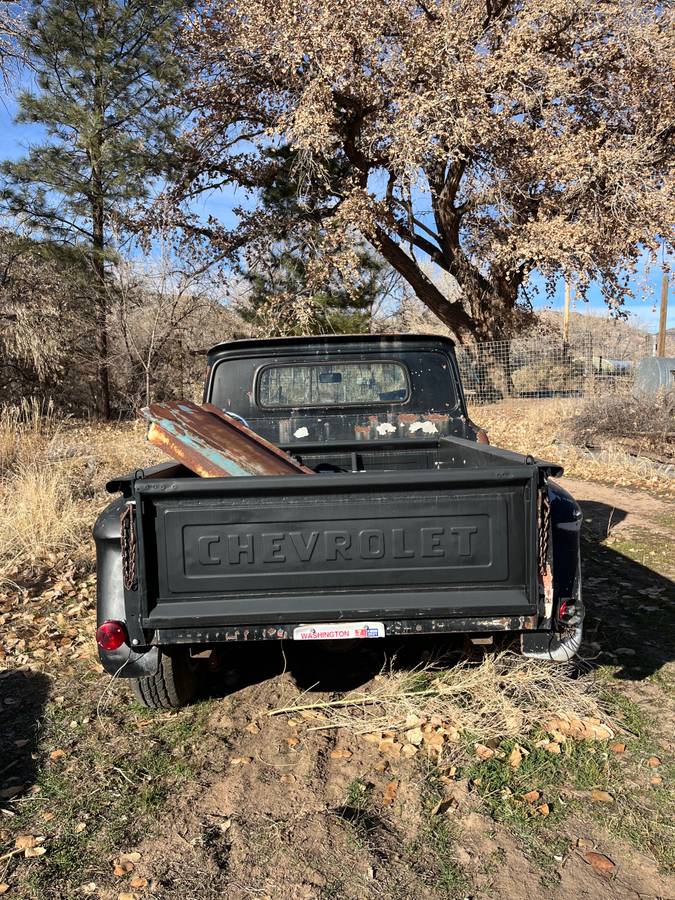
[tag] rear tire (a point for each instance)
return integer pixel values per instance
(175, 683)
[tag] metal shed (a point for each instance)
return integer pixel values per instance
(655, 373)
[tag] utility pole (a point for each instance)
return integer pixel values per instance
(566, 313)
(661, 342)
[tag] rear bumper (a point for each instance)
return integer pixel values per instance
(143, 661)
(553, 646)
(393, 628)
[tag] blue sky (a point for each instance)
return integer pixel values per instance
(644, 310)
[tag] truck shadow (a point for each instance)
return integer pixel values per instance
(630, 608)
(23, 695)
(630, 623)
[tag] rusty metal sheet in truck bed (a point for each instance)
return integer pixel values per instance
(451, 543)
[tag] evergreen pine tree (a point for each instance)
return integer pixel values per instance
(281, 276)
(105, 79)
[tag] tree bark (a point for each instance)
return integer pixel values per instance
(98, 233)
(101, 300)
(451, 314)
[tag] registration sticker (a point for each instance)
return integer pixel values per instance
(341, 631)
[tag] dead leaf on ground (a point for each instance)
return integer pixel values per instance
(33, 852)
(531, 796)
(414, 736)
(4, 888)
(483, 752)
(602, 864)
(132, 856)
(138, 882)
(435, 740)
(655, 780)
(252, 728)
(549, 746)
(57, 754)
(341, 753)
(543, 810)
(653, 762)
(241, 760)
(390, 793)
(515, 757)
(390, 747)
(618, 748)
(24, 841)
(601, 796)
(381, 766)
(409, 750)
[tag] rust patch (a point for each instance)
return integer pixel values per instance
(213, 444)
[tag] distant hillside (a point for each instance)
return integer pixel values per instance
(616, 338)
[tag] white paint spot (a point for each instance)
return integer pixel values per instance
(385, 428)
(424, 427)
(301, 432)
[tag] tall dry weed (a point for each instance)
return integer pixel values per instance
(38, 516)
(504, 695)
(38, 511)
(25, 429)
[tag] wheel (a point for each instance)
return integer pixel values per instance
(175, 683)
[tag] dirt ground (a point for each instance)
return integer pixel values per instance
(101, 798)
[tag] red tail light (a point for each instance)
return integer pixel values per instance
(111, 635)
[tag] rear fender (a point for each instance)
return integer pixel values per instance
(126, 662)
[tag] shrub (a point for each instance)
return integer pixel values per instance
(646, 423)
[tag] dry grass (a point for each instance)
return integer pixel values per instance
(52, 485)
(38, 517)
(646, 425)
(23, 429)
(541, 427)
(503, 696)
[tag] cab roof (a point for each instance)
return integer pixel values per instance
(317, 343)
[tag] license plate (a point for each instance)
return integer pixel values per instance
(342, 631)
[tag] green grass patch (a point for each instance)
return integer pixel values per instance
(112, 781)
(648, 548)
(435, 846)
(641, 813)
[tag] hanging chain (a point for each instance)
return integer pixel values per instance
(544, 529)
(128, 546)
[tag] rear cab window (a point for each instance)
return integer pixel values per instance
(333, 384)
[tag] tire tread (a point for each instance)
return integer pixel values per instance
(171, 687)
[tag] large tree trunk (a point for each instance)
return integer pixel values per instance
(101, 299)
(98, 234)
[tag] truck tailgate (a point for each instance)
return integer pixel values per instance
(337, 547)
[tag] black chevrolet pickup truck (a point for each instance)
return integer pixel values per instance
(413, 524)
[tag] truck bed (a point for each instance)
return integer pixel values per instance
(405, 533)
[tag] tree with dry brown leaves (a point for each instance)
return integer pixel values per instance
(491, 138)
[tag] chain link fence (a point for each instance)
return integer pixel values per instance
(540, 368)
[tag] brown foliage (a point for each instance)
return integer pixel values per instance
(491, 139)
(644, 423)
